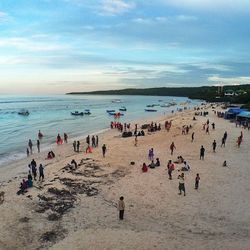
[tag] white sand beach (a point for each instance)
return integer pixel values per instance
(84, 214)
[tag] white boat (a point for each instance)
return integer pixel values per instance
(116, 101)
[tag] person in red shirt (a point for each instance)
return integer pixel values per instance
(170, 167)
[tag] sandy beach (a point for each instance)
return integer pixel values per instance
(76, 209)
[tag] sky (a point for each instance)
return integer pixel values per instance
(59, 46)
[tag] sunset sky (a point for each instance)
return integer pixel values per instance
(57, 46)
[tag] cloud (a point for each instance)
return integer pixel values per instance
(230, 80)
(31, 44)
(217, 5)
(186, 18)
(115, 7)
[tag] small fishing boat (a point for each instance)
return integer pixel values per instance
(123, 108)
(110, 110)
(150, 105)
(151, 110)
(24, 112)
(77, 113)
(87, 112)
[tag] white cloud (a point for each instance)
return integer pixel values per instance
(186, 18)
(114, 7)
(230, 80)
(31, 44)
(217, 5)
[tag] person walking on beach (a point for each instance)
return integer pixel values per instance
(96, 141)
(223, 142)
(30, 144)
(207, 130)
(27, 152)
(202, 153)
(172, 147)
(74, 146)
(239, 140)
(38, 146)
(213, 126)
(121, 207)
(33, 168)
(182, 184)
(197, 180)
(78, 146)
(170, 167)
(192, 137)
(214, 144)
(104, 149)
(41, 172)
(65, 137)
(225, 136)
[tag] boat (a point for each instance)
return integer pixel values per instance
(110, 110)
(151, 110)
(150, 105)
(123, 108)
(76, 113)
(87, 112)
(165, 105)
(24, 112)
(116, 114)
(116, 101)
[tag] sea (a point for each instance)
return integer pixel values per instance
(52, 115)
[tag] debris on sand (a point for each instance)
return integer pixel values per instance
(24, 219)
(83, 187)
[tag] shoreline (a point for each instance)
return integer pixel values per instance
(215, 216)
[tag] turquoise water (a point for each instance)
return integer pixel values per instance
(52, 115)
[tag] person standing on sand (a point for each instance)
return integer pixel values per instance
(170, 167)
(172, 147)
(192, 137)
(33, 168)
(74, 146)
(121, 207)
(27, 152)
(38, 146)
(197, 180)
(223, 142)
(41, 172)
(30, 144)
(96, 141)
(214, 146)
(65, 137)
(93, 141)
(202, 153)
(182, 184)
(88, 139)
(213, 126)
(104, 150)
(78, 146)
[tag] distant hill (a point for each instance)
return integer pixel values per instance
(207, 93)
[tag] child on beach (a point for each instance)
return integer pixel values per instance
(121, 207)
(197, 180)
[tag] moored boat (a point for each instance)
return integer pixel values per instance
(123, 109)
(77, 113)
(151, 110)
(24, 112)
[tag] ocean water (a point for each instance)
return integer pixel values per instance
(52, 115)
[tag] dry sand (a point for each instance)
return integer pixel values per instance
(77, 209)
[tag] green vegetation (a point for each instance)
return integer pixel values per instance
(207, 93)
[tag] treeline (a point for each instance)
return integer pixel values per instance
(207, 93)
